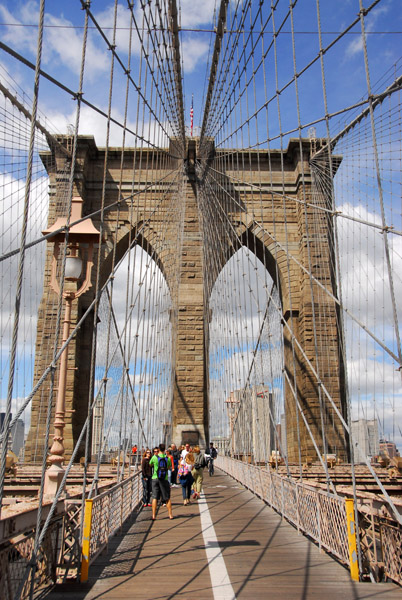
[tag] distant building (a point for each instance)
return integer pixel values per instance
(16, 438)
(255, 406)
(2, 419)
(365, 439)
(388, 448)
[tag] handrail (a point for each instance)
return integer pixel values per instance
(323, 517)
(104, 515)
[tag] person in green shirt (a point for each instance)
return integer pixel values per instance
(160, 464)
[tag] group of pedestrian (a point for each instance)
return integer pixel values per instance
(161, 470)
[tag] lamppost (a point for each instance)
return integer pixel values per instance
(81, 235)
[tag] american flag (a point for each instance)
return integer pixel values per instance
(192, 115)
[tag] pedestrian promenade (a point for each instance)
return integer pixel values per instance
(227, 545)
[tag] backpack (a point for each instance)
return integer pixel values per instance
(200, 462)
(162, 467)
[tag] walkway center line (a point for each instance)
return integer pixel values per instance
(221, 586)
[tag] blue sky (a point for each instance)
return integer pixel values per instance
(344, 65)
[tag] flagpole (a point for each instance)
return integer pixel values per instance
(192, 114)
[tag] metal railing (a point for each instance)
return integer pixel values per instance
(320, 515)
(58, 556)
(323, 517)
(61, 554)
(105, 515)
(17, 578)
(391, 546)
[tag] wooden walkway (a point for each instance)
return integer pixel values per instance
(264, 556)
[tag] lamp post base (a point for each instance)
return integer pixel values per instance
(53, 478)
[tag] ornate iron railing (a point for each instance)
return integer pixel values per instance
(105, 515)
(391, 545)
(17, 576)
(322, 516)
(318, 514)
(60, 555)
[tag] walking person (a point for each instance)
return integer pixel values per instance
(176, 458)
(210, 454)
(198, 471)
(185, 451)
(170, 471)
(160, 484)
(146, 472)
(185, 477)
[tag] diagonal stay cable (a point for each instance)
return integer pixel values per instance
(75, 95)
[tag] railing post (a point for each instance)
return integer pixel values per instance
(86, 541)
(121, 507)
(351, 527)
(319, 520)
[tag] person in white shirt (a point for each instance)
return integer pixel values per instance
(186, 450)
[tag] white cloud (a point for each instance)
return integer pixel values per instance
(372, 375)
(193, 14)
(12, 193)
(105, 19)
(193, 50)
(93, 123)
(22, 38)
(364, 275)
(62, 44)
(356, 45)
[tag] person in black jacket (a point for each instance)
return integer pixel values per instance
(146, 471)
(176, 458)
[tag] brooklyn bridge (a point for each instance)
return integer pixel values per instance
(201, 245)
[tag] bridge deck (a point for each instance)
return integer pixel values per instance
(264, 556)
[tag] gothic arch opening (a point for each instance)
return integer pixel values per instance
(133, 375)
(246, 391)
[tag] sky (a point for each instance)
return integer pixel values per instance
(63, 44)
(345, 80)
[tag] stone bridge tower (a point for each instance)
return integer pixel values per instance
(190, 403)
